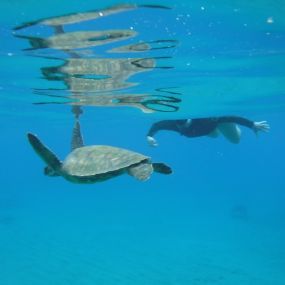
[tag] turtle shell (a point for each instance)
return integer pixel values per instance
(99, 159)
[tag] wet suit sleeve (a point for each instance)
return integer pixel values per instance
(238, 120)
(170, 125)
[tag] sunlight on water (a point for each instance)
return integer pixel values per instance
(100, 83)
(140, 48)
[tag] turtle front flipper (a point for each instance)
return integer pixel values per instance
(77, 140)
(141, 171)
(45, 154)
(161, 168)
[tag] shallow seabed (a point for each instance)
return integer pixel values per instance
(219, 218)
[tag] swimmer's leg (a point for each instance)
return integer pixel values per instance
(214, 134)
(230, 131)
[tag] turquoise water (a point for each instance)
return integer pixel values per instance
(219, 218)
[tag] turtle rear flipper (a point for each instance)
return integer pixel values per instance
(77, 140)
(50, 172)
(45, 154)
(141, 171)
(161, 168)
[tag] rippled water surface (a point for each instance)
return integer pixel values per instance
(101, 73)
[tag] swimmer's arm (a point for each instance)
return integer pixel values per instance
(170, 125)
(262, 126)
(255, 126)
(237, 120)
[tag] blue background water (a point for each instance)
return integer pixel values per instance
(178, 229)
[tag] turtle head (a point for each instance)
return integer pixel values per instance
(50, 172)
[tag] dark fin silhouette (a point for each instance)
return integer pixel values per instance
(35, 42)
(25, 25)
(77, 140)
(161, 168)
(45, 154)
(155, 6)
(58, 29)
(50, 172)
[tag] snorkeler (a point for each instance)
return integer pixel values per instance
(212, 127)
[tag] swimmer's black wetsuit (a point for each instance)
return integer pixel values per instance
(197, 127)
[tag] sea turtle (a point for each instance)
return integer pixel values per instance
(95, 163)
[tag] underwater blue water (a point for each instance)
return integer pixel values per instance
(218, 219)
